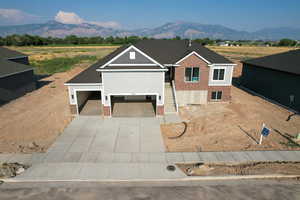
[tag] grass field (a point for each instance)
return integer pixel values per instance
(247, 52)
(50, 60)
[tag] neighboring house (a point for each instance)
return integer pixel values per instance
(276, 77)
(16, 76)
(167, 72)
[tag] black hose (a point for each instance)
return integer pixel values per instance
(185, 128)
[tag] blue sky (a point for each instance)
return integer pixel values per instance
(249, 15)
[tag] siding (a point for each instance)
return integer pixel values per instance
(139, 59)
(228, 76)
(272, 84)
(133, 83)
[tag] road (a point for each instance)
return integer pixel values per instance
(159, 191)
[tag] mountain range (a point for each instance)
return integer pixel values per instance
(168, 30)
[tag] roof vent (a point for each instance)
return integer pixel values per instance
(190, 42)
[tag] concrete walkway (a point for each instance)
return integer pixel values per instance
(92, 148)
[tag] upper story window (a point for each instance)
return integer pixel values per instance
(219, 75)
(132, 55)
(192, 74)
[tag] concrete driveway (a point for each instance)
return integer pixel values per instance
(115, 135)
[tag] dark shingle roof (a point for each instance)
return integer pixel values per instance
(171, 51)
(163, 51)
(8, 67)
(8, 53)
(286, 62)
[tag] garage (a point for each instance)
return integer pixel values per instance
(89, 102)
(133, 105)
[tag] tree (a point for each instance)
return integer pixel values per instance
(287, 42)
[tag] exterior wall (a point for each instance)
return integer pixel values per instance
(185, 97)
(160, 110)
(228, 76)
(73, 109)
(139, 59)
(192, 61)
(106, 111)
(272, 84)
(14, 86)
(133, 83)
(73, 88)
(22, 60)
(200, 92)
(226, 93)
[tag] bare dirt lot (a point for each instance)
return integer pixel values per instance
(233, 126)
(38, 117)
(247, 168)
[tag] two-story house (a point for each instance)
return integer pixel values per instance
(169, 73)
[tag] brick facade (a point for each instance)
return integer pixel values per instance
(106, 111)
(195, 61)
(192, 61)
(226, 93)
(160, 110)
(73, 109)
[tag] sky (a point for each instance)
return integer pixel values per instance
(246, 15)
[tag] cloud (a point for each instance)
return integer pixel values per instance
(68, 18)
(73, 18)
(14, 16)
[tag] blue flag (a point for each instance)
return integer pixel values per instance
(265, 131)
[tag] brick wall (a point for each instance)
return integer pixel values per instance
(160, 110)
(192, 61)
(73, 109)
(106, 111)
(226, 92)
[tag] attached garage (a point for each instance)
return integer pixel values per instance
(89, 102)
(133, 106)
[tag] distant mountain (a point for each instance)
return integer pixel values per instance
(168, 30)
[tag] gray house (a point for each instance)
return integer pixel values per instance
(166, 73)
(16, 76)
(276, 77)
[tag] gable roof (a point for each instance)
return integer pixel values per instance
(8, 53)
(171, 51)
(287, 62)
(89, 75)
(9, 67)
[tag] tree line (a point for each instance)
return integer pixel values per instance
(34, 40)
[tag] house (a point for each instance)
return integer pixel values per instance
(276, 77)
(16, 76)
(168, 73)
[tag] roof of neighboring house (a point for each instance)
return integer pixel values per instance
(8, 68)
(8, 53)
(162, 51)
(90, 75)
(287, 62)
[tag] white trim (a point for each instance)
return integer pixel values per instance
(85, 89)
(212, 77)
(84, 84)
(224, 64)
(130, 70)
(131, 47)
(193, 52)
(132, 64)
(16, 73)
(171, 65)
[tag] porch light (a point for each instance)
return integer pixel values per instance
(106, 98)
(159, 97)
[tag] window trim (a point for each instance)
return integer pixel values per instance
(132, 55)
(213, 70)
(218, 91)
(192, 75)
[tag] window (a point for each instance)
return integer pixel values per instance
(216, 95)
(132, 55)
(218, 74)
(192, 74)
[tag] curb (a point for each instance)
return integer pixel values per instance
(207, 178)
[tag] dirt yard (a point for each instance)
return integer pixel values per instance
(32, 122)
(248, 168)
(233, 126)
